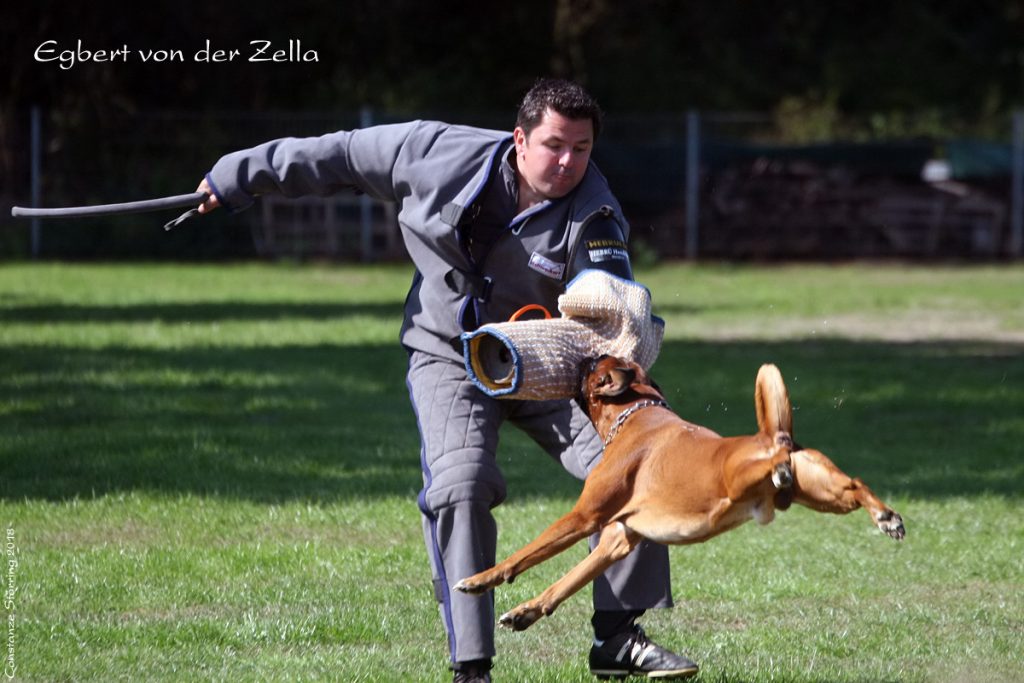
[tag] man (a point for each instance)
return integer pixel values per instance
(491, 222)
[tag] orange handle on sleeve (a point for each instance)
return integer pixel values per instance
(526, 309)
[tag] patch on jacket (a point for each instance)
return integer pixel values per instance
(546, 266)
(606, 250)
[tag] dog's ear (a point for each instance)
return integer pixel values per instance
(615, 382)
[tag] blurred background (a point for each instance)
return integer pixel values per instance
(797, 130)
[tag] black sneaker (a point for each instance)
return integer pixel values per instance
(472, 674)
(633, 653)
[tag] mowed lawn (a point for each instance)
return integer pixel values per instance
(209, 472)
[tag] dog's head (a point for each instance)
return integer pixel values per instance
(608, 380)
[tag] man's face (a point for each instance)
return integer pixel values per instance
(552, 159)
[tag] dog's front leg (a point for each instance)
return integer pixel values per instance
(605, 491)
(616, 542)
(565, 532)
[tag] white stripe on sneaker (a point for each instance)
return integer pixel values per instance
(640, 655)
(622, 653)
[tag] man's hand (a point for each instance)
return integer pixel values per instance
(212, 202)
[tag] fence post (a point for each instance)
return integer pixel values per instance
(1016, 244)
(35, 176)
(692, 183)
(365, 203)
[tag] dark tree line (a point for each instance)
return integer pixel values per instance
(847, 57)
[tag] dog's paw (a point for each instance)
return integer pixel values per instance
(891, 523)
(782, 476)
(520, 618)
(471, 586)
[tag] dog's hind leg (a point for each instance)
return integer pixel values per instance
(822, 486)
(746, 470)
(616, 542)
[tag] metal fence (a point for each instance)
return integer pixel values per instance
(694, 185)
(910, 197)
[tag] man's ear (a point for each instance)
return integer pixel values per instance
(519, 137)
(615, 382)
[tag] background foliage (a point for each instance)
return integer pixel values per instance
(867, 59)
(860, 56)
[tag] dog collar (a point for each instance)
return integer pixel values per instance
(624, 415)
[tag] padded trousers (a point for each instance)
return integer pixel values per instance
(462, 483)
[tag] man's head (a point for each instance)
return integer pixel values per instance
(556, 127)
(561, 97)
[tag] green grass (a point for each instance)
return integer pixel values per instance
(209, 473)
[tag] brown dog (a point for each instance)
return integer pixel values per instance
(674, 482)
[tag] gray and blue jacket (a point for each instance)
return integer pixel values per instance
(438, 175)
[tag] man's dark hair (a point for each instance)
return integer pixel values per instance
(560, 96)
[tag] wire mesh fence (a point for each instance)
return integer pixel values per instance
(707, 185)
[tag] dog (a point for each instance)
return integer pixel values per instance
(674, 482)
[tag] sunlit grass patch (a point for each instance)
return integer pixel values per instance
(210, 473)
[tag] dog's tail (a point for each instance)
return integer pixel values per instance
(771, 401)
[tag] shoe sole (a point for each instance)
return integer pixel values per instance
(620, 675)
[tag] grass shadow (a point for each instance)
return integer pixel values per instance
(330, 422)
(187, 312)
